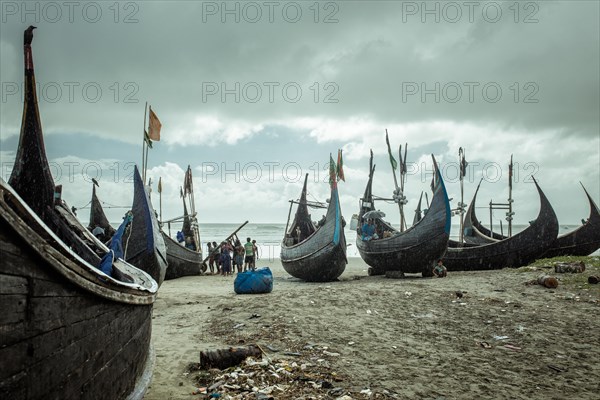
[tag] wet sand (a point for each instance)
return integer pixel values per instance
(399, 338)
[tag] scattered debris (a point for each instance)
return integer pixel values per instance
(545, 280)
(555, 368)
(271, 348)
(573, 267)
(225, 358)
(593, 279)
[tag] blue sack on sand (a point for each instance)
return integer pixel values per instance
(251, 282)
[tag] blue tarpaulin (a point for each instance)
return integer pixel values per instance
(252, 282)
(116, 247)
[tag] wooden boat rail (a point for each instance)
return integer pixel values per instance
(47, 244)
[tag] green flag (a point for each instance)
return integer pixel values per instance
(392, 159)
(147, 139)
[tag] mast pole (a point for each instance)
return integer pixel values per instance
(510, 200)
(144, 145)
(461, 160)
(396, 192)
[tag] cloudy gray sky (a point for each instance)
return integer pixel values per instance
(253, 95)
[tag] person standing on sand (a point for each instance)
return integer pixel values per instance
(249, 250)
(239, 252)
(255, 251)
(211, 258)
(440, 270)
(217, 257)
(225, 259)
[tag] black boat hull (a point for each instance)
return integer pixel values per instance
(584, 240)
(322, 256)
(513, 252)
(181, 260)
(144, 246)
(67, 331)
(415, 250)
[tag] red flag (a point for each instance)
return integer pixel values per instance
(154, 127)
(340, 167)
(332, 174)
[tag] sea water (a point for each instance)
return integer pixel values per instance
(268, 236)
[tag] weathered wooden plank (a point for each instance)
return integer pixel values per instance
(14, 388)
(102, 377)
(17, 265)
(91, 353)
(14, 308)
(11, 284)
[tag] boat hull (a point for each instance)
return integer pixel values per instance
(324, 265)
(415, 250)
(513, 252)
(67, 332)
(181, 260)
(322, 256)
(144, 246)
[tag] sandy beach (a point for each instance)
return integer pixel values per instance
(372, 337)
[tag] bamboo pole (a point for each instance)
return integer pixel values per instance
(144, 145)
(395, 180)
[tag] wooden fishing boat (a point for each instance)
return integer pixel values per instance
(414, 250)
(513, 252)
(474, 231)
(582, 241)
(183, 261)
(68, 330)
(144, 244)
(98, 218)
(317, 254)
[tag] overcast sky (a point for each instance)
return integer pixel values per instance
(253, 95)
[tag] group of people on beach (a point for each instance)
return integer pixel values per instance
(228, 256)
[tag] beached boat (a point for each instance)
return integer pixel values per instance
(68, 330)
(184, 258)
(582, 241)
(415, 249)
(144, 245)
(515, 251)
(183, 261)
(474, 232)
(98, 220)
(315, 253)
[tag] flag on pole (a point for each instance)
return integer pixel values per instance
(510, 172)
(340, 167)
(463, 162)
(160, 185)
(147, 139)
(154, 127)
(392, 159)
(332, 174)
(187, 181)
